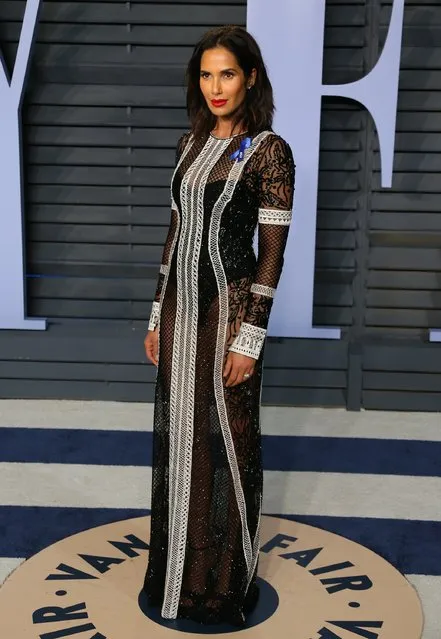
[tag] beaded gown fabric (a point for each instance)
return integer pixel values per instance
(214, 295)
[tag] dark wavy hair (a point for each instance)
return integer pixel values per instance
(257, 110)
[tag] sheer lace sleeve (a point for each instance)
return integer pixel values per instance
(276, 190)
(154, 315)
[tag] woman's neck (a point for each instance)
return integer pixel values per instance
(224, 129)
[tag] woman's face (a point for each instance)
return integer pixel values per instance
(222, 81)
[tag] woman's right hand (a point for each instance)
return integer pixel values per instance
(151, 346)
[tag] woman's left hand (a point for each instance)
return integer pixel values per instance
(236, 366)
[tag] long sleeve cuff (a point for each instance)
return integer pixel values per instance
(154, 316)
(249, 341)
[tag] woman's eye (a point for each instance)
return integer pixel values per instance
(228, 74)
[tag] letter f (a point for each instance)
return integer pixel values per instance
(291, 37)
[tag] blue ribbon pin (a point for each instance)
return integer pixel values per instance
(239, 154)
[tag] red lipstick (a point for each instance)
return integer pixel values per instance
(218, 103)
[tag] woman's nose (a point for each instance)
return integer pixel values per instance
(216, 87)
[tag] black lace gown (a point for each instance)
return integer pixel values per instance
(213, 295)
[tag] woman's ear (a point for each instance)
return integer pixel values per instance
(251, 79)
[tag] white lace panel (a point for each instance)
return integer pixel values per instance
(275, 216)
(249, 340)
(184, 359)
(260, 289)
(154, 316)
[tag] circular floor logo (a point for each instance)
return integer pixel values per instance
(314, 585)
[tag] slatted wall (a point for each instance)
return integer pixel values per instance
(403, 298)
(104, 108)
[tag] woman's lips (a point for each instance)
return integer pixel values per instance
(218, 103)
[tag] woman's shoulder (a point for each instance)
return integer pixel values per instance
(273, 146)
(183, 140)
(182, 144)
(272, 139)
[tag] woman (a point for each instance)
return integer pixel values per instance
(207, 331)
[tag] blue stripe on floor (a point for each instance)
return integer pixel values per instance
(413, 547)
(282, 453)
(25, 530)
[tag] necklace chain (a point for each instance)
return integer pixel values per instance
(228, 137)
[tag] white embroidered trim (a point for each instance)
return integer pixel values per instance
(274, 216)
(164, 286)
(184, 359)
(163, 269)
(249, 340)
(154, 316)
(250, 552)
(260, 289)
